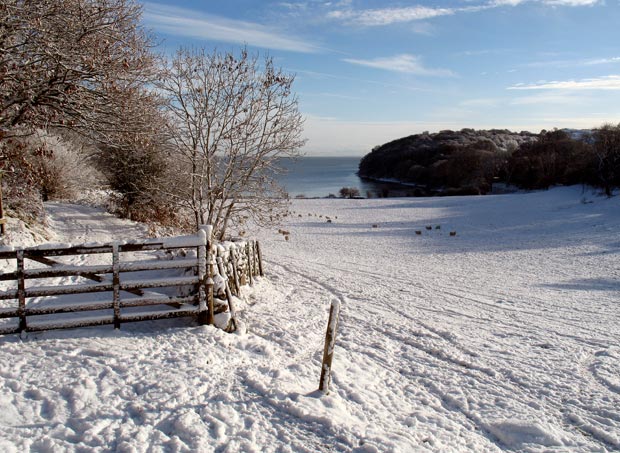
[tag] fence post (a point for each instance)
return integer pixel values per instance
(202, 275)
(260, 259)
(2, 219)
(210, 303)
(116, 284)
(226, 261)
(231, 308)
(255, 259)
(233, 258)
(21, 291)
(249, 263)
(330, 343)
(210, 261)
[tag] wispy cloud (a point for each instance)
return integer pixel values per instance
(484, 52)
(386, 16)
(410, 64)
(572, 2)
(193, 24)
(394, 15)
(573, 63)
(611, 82)
(598, 61)
(547, 2)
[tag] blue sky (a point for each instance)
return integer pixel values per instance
(371, 71)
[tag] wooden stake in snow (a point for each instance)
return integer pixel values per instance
(2, 219)
(249, 263)
(260, 260)
(203, 289)
(116, 282)
(330, 343)
(254, 259)
(21, 291)
(210, 304)
(231, 307)
(233, 259)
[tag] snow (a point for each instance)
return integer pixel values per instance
(503, 337)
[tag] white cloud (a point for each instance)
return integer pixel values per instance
(386, 16)
(547, 2)
(602, 61)
(392, 15)
(193, 24)
(611, 82)
(573, 63)
(572, 2)
(506, 2)
(401, 63)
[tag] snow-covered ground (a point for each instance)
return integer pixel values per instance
(503, 337)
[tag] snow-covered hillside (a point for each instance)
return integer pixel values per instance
(503, 337)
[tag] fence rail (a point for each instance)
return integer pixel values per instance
(236, 264)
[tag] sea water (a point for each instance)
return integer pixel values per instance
(324, 176)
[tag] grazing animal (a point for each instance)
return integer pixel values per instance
(418, 231)
(429, 227)
(438, 227)
(452, 233)
(374, 225)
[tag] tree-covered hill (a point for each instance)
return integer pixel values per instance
(470, 162)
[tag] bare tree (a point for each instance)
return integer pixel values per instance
(60, 60)
(231, 123)
(135, 160)
(83, 65)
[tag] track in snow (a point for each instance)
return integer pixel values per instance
(504, 337)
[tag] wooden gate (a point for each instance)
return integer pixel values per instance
(36, 305)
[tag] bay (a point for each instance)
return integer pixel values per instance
(316, 176)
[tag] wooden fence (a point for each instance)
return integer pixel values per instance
(218, 270)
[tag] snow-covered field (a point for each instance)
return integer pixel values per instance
(503, 337)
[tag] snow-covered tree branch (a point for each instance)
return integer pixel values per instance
(231, 123)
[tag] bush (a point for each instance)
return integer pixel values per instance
(43, 166)
(349, 192)
(20, 190)
(65, 166)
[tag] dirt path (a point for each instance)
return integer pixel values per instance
(77, 224)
